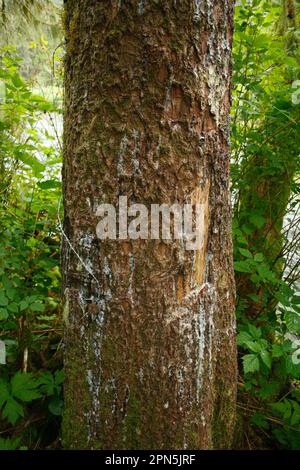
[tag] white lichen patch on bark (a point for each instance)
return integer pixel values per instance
(197, 14)
(111, 389)
(201, 346)
(135, 151)
(131, 270)
(122, 151)
(212, 298)
(108, 273)
(66, 307)
(193, 295)
(181, 382)
(93, 349)
(217, 89)
(141, 7)
(125, 401)
(86, 240)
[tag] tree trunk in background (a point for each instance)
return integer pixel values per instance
(288, 26)
(150, 356)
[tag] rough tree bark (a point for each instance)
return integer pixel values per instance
(150, 356)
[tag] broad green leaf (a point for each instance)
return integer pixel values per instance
(292, 320)
(9, 443)
(49, 184)
(254, 346)
(37, 307)
(266, 358)
(3, 314)
(24, 387)
(255, 332)
(259, 257)
(3, 300)
(243, 267)
(17, 81)
(243, 337)
(250, 363)
(12, 410)
(56, 406)
(13, 307)
(277, 351)
(260, 420)
(245, 253)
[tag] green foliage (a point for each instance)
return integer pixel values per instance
(265, 185)
(30, 312)
(21, 388)
(9, 444)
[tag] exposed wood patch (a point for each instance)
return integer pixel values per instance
(201, 196)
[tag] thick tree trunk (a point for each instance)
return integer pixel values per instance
(150, 357)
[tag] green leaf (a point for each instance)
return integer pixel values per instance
(296, 300)
(255, 332)
(259, 257)
(13, 307)
(254, 297)
(23, 305)
(3, 300)
(245, 253)
(250, 363)
(56, 406)
(46, 380)
(9, 443)
(23, 386)
(11, 293)
(243, 267)
(37, 307)
(3, 314)
(266, 358)
(41, 103)
(17, 81)
(243, 337)
(247, 229)
(260, 420)
(32, 162)
(12, 410)
(283, 299)
(292, 320)
(49, 184)
(59, 377)
(277, 351)
(269, 389)
(254, 346)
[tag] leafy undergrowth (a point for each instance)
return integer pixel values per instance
(266, 189)
(30, 313)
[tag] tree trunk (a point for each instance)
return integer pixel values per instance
(150, 355)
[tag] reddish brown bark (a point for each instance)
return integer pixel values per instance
(150, 331)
